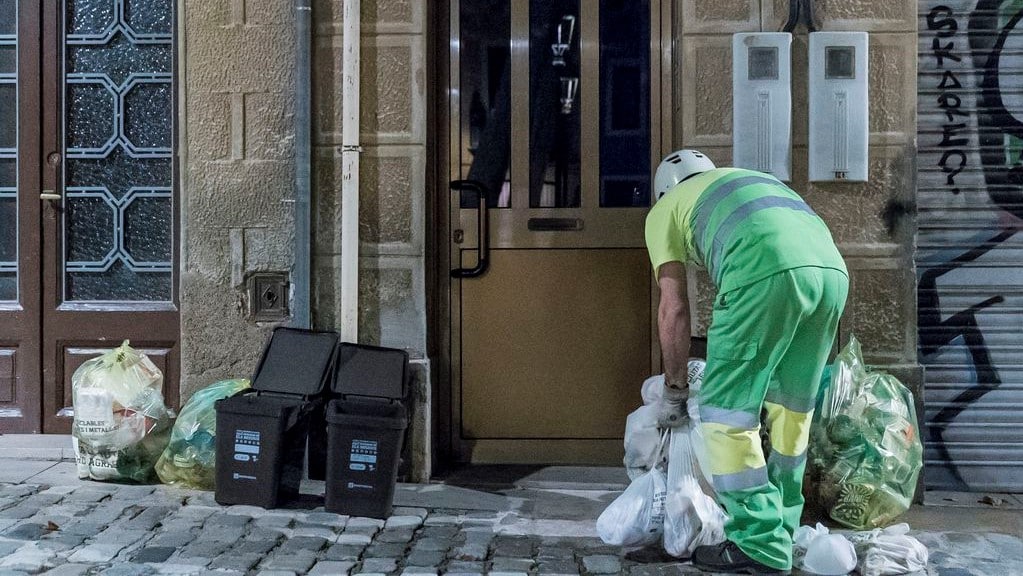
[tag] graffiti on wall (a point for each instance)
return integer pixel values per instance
(971, 213)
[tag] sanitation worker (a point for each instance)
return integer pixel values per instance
(781, 288)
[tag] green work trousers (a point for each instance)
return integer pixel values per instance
(767, 347)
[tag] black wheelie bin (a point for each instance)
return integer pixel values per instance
(366, 422)
(261, 433)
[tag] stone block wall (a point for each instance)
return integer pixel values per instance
(236, 69)
(875, 238)
(236, 62)
(237, 144)
(392, 182)
(392, 189)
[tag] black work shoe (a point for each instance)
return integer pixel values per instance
(727, 557)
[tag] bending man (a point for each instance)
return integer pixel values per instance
(782, 286)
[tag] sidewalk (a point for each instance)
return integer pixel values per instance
(538, 523)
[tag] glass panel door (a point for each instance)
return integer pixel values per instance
(625, 90)
(554, 114)
(484, 102)
(555, 104)
(87, 192)
(109, 270)
(8, 151)
(118, 172)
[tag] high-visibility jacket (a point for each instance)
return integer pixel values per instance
(742, 225)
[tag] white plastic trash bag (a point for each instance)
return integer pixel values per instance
(642, 435)
(889, 552)
(653, 389)
(699, 446)
(692, 518)
(121, 424)
(636, 518)
(642, 441)
(817, 551)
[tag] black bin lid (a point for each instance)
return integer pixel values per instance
(296, 361)
(371, 371)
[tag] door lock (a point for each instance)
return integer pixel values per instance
(459, 236)
(50, 195)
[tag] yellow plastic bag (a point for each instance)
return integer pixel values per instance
(121, 424)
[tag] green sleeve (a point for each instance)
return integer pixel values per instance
(663, 238)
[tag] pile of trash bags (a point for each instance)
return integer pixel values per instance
(190, 458)
(817, 551)
(643, 449)
(865, 452)
(866, 457)
(888, 552)
(669, 498)
(121, 424)
(123, 431)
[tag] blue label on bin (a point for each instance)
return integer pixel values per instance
(246, 446)
(363, 457)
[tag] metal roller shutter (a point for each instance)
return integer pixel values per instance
(970, 245)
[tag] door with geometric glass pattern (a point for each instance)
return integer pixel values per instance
(88, 204)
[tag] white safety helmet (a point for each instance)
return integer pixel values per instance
(678, 166)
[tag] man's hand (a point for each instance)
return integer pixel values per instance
(671, 410)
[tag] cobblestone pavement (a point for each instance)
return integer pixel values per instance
(85, 528)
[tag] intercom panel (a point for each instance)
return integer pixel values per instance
(762, 102)
(839, 106)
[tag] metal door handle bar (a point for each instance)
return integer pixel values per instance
(483, 224)
(49, 195)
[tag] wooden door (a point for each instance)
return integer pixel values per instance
(20, 320)
(88, 209)
(109, 222)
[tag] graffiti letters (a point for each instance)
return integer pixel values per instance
(971, 113)
(941, 20)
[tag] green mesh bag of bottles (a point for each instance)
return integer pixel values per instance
(189, 459)
(865, 452)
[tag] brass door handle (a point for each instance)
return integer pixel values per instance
(49, 195)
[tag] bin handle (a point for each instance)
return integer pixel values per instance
(389, 400)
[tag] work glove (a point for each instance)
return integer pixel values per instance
(671, 409)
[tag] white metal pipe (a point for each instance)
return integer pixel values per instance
(350, 150)
(301, 276)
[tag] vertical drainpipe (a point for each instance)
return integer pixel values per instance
(350, 150)
(301, 279)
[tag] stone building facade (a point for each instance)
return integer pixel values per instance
(874, 236)
(238, 164)
(237, 149)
